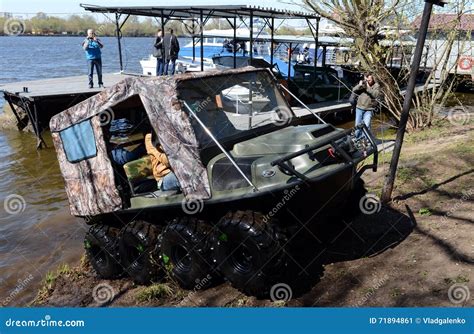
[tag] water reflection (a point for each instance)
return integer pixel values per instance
(37, 232)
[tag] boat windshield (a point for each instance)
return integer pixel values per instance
(235, 105)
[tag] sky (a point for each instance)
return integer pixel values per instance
(28, 8)
(23, 7)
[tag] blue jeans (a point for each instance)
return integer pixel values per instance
(160, 64)
(362, 116)
(173, 66)
(121, 156)
(169, 182)
(97, 63)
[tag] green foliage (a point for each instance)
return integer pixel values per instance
(424, 212)
(50, 279)
(42, 24)
(458, 279)
(154, 292)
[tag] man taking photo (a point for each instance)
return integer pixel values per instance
(369, 95)
(92, 46)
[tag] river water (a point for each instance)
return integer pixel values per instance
(37, 233)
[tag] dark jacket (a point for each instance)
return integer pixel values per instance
(171, 45)
(368, 96)
(158, 48)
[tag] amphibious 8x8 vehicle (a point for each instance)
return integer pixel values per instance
(254, 179)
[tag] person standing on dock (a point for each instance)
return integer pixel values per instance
(92, 46)
(158, 53)
(368, 96)
(171, 45)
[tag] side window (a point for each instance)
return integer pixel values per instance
(79, 141)
(330, 79)
(319, 79)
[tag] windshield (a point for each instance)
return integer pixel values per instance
(234, 105)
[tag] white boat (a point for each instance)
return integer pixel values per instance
(183, 65)
(217, 42)
(218, 38)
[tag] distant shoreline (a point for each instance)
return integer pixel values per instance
(68, 35)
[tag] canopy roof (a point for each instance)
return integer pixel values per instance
(301, 39)
(218, 11)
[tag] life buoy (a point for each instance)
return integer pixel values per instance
(346, 57)
(465, 63)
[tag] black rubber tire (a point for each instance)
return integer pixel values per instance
(101, 245)
(186, 251)
(139, 253)
(249, 252)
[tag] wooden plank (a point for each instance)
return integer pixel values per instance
(323, 108)
(60, 86)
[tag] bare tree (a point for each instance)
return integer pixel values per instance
(364, 22)
(444, 59)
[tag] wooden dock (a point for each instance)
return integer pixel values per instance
(60, 86)
(38, 100)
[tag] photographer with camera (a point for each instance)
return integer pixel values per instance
(92, 46)
(368, 94)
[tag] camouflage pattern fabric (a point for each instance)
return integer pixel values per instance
(138, 170)
(97, 192)
(90, 184)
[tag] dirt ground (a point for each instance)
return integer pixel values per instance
(419, 251)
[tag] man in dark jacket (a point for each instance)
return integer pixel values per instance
(171, 44)
(158, 53)
(369, 95)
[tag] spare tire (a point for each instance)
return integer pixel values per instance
(102, 252)
(250, 253)
(139, 253)
(186, 249)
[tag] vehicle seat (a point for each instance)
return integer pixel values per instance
(140, 176)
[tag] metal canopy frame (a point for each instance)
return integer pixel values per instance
(202, 14)
(189, 12)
